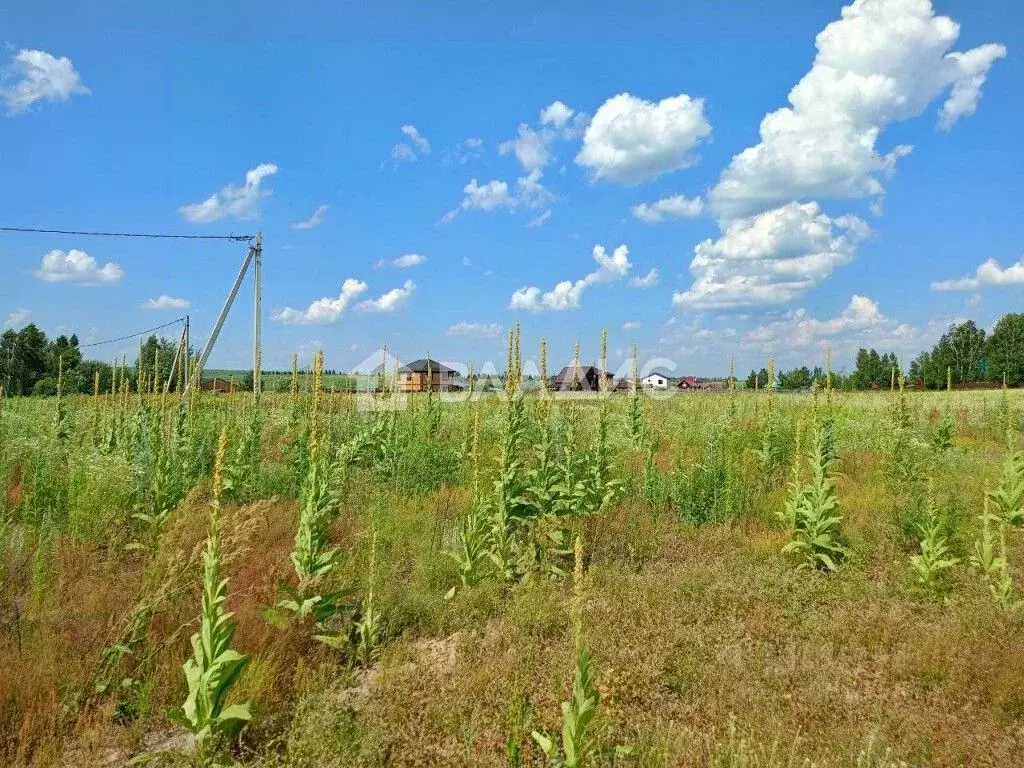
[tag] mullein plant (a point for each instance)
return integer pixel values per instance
(576, 745)
(945, 431)
(507, 506)
(817, 541)
(796, 491)
(61, 428)
(994, 568)
(769, 454)
(313, 558)
(1008, 495)
(932, 565)
(215, 666)
(368, 626)
(471, 552)
(636, 403)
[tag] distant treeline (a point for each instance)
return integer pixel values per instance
(29, 364)
(964, 351)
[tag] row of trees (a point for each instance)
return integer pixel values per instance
(29, 363)
(972, 356)
(964, 350)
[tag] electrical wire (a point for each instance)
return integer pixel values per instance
(235, 238)
(131, 335)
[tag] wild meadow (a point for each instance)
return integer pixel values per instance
(738, 578)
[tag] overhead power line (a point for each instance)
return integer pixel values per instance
(132, 335)
(158, 236)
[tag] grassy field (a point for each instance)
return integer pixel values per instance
(736, 579)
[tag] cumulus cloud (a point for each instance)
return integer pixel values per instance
(883, 62)
(165, 302)
(530, 147)
(495, 194)
(630, 139)
(418, 140)
(233, 201)
(390, 301)
(567, 294)
(770, 258)
(314, 220)
(675, 207)
(17, 318)
(556, 114)
(647, 281)
(403, 262)
(475, 330)
(988, 273)
(324, 311)
(36, 76)
(631, 325)
(860, 322)
(410, 151)
(533, 146)
(78, 267)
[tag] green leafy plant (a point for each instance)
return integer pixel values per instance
(1008, 496)
(214, 667)
(931, 566)
(817, 541)
(576, 744)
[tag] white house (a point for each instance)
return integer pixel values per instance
(655, 381)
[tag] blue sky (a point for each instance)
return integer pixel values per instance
(467, 158)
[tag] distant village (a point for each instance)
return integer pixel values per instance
(426, 374)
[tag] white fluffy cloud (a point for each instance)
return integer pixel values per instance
(496, 194)
(17, 318)
(860, 322)
(630, 140)
(883, 62)
(78, 267)
(418, 140)
(314, 220)
(403, 262)
(567, 294)
(326, 310)
(475, 330)
(770, 258)
(165, 302)
(530, 147)
(557, 114)
(232, 201)
(37, 75)
(987, 273)
(533, 146)
(390, 301)
(631, 325)
(647, 281)
(406, 152)
(675, 207)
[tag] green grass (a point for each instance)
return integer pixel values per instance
(709, 647)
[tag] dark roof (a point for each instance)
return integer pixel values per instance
(420, 366)
(661, 372)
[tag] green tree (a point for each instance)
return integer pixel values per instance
(148, 359)
(758, 379)
(23, 359)
(1005, 351)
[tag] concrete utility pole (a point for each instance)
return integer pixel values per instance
(255, 252)
(257, 329)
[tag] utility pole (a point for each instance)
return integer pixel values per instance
(187, 358)
(255, 252)
(257, 330)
